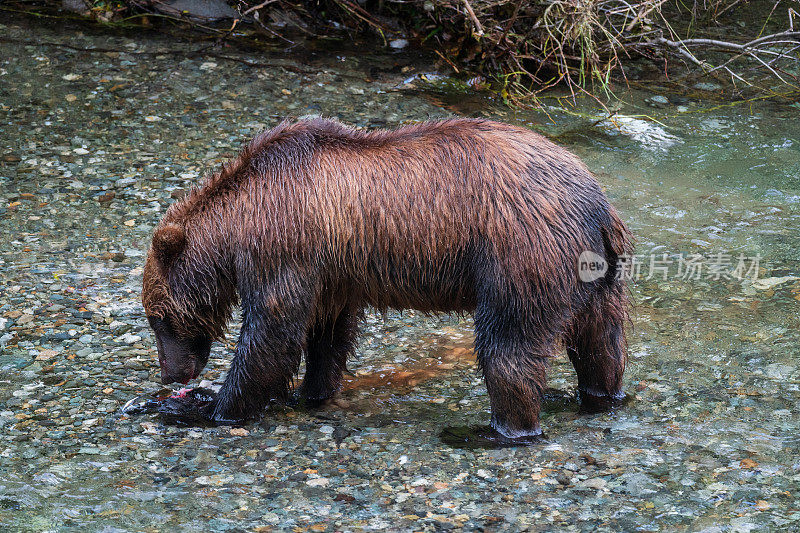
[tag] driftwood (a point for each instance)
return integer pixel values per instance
(770, 52)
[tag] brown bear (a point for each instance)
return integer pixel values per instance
(314, 221)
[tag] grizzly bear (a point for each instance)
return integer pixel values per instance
(314, 221)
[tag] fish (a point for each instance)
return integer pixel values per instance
(186, 406)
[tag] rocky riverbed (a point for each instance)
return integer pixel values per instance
(101, 131)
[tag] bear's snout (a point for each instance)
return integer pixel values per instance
(177, 365)
(181, 360)
(167, 376)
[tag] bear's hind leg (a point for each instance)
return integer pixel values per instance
(330, 342)
(597, 350)
(514, 363)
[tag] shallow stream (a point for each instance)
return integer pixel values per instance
(95, 145)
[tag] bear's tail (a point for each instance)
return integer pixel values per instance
(618, 243)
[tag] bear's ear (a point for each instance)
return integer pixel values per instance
(168, 241)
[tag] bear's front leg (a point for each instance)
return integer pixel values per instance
(330, 341)
(267, 356)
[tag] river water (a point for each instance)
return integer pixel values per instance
(94, 145)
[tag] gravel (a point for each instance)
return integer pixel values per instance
(95, 146)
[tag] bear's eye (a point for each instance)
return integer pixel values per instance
(159, 325)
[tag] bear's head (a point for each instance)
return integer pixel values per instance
(172, 299)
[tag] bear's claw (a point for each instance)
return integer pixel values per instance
(591, 403)
(193, 407)
(485, 437)
(297, 399)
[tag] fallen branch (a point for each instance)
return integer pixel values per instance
(478, 27)
(259, 6)
(753, 50)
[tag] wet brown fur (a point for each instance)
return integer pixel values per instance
(314, 220)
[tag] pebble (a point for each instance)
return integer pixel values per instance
(659, 100)
(595, 483)
(707, 86)
(128, 338)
